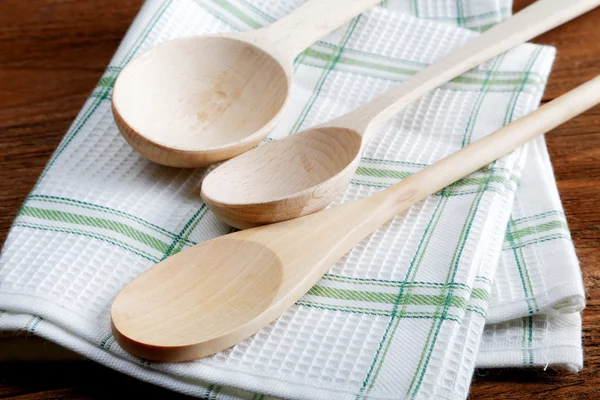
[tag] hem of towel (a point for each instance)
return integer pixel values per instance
(561, 350)
(568, 357)
(19, 305)
(563, 355)
(64, 338)
(569, 296)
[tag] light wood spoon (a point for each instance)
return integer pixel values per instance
(305, 172)
(194, 101)
(215, 294)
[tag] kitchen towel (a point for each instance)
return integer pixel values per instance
(403, 313)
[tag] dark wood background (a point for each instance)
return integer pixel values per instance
(52, 53)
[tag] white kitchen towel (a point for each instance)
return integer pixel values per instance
(538, 270)
(539, 340)
(402, 314)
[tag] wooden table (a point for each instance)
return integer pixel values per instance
(52, 53)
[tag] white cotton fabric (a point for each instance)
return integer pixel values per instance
(494, 248)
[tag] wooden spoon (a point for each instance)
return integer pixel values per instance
(215, 294)
(194, 101)
(305, 172)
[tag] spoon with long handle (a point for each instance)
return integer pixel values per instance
(215, 294)
(194, 101)
(305, 172)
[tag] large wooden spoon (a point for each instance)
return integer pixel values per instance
(215, 294)
(194, 101)
(305, 172)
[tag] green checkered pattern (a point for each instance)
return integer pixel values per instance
(401, 315)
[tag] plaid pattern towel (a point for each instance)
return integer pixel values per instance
(403, 313)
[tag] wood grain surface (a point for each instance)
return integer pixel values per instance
(52, 53)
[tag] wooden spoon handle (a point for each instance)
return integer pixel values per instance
(484, 151)
(541, 16)
(341, 228)
(292, 34)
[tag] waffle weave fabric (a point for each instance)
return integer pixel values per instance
(403, 314)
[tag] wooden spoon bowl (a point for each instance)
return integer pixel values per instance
(303, 173)
(141, 320)
(291, 177)
(194, 101)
